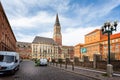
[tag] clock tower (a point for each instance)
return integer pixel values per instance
(57, 37)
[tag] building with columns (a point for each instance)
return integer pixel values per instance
(7, 38)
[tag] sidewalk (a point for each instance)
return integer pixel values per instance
(99, 75)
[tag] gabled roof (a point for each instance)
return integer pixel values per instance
(43, 40)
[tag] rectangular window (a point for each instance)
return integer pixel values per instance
(117, 48)
(40, 50)
(113, 41)
(116, 40)
(111, 48)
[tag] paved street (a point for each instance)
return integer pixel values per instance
(29, 72)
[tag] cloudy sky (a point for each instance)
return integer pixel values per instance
(30, 18)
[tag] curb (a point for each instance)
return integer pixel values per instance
(76, 73)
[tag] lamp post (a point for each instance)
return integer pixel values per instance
(109, 28)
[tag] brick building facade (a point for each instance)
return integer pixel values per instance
(77, 50)
(7, 38)
(96, 43)
(24, 49)
(67, 52)
(114, 48)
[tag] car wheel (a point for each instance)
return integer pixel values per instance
(13, 72)
(17, 67)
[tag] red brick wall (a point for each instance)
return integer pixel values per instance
(77, 52)
(93, 37)
(25, 53)
(7, 38)
(24, 49)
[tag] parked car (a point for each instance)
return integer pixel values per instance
(9, 62)
(43, 62)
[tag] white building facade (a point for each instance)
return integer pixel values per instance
(44, 48)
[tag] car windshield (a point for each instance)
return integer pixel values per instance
(6, 58)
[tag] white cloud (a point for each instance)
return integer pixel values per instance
(24, 38)
(94, 11)
(22, 7)
(73, 36)
(61, 6)
(14, 8)
(46, 34)
(42, 18)
(29, 38)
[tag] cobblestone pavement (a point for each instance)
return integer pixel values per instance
(29, 72)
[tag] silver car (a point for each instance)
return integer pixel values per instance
(43, 62)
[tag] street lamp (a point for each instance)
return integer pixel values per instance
(108, 28)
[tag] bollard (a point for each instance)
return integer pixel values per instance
(60, 65)
(73, 66)
(109, 70)
(65, 65)
(56, 62)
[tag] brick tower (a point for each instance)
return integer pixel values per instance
(57, 32)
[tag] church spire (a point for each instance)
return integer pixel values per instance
(57, 20)
(57, 36)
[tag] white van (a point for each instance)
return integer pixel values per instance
(9, 62)
(43, 62)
